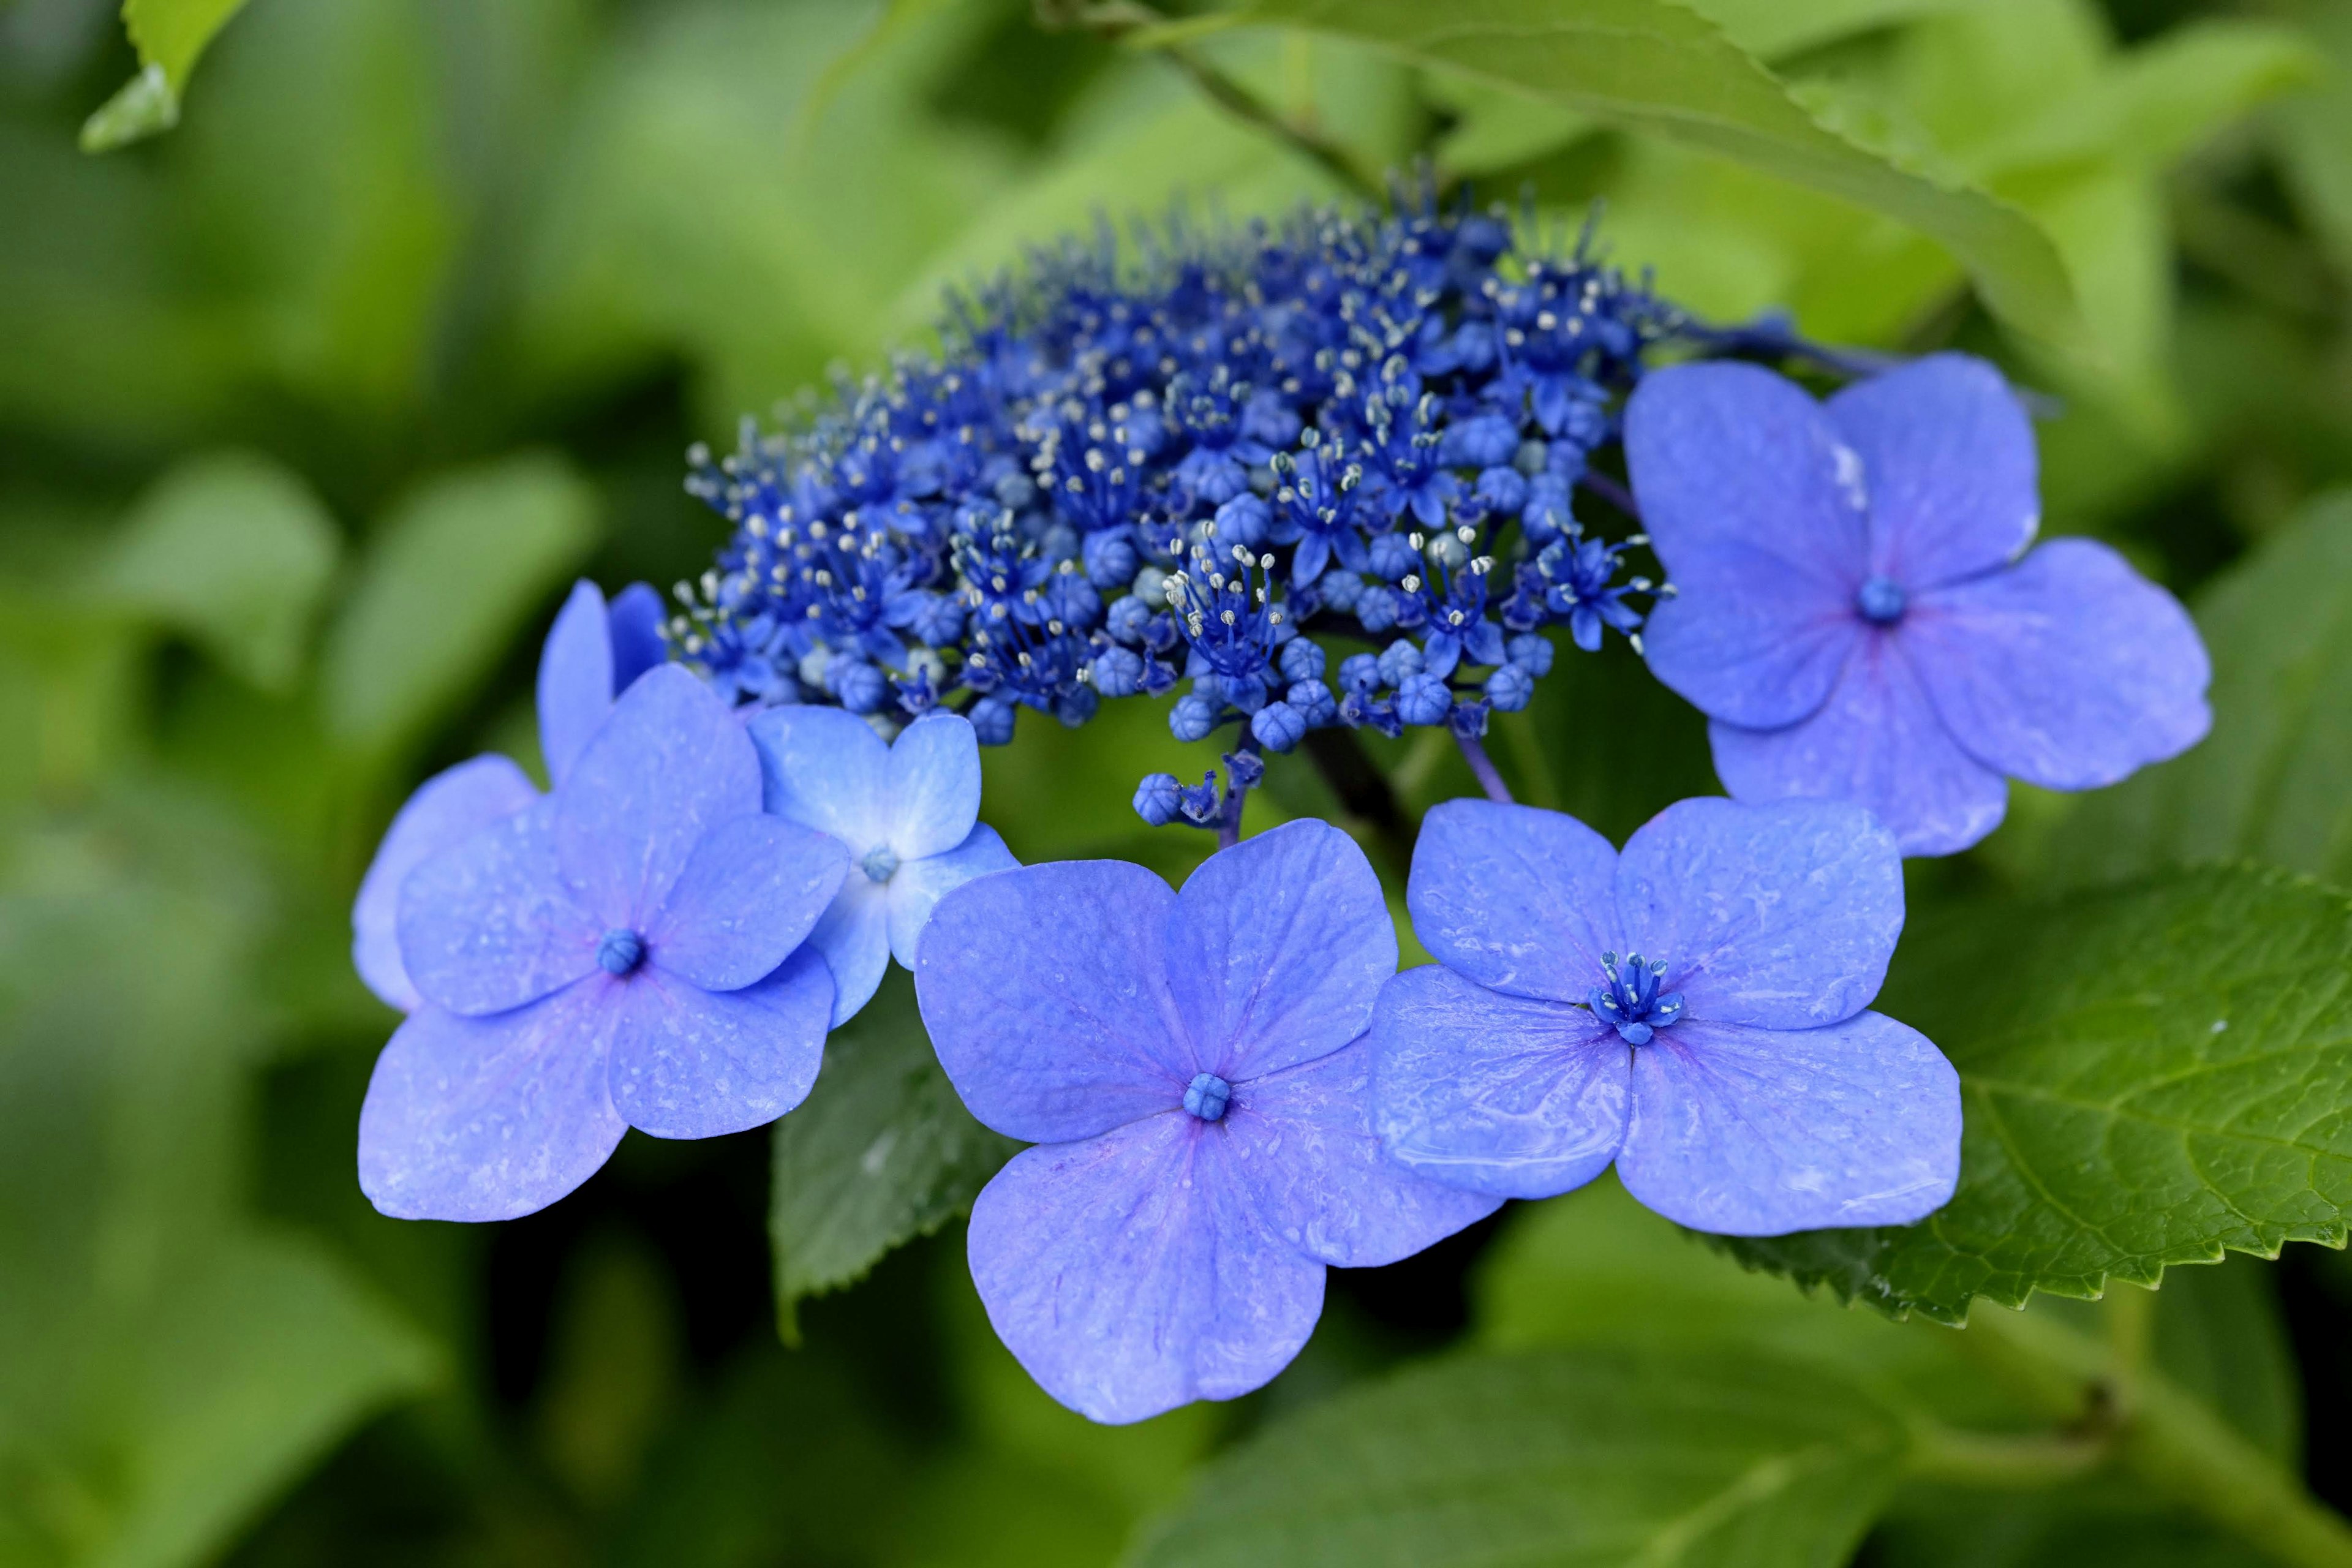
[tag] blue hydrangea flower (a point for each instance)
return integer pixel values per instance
(592, 655)
(620, 953)
(1858, 615)
(1691, 1010)
(908, 814)
(1191, 1069)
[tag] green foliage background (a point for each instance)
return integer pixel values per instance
(311, 409)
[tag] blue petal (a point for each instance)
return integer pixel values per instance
(482, 1119)
(636, 618)
(689, 1063)
(1761, 1132)
(1781, 916)
(1313, 555)
(1948, 465)
(854, 938)
(826, 769)
(447, 809)
(922, 884)
(2070, 672)
(934, 785)
(1046, 994)
(1736, 472)
(1877, 741)
(1277, 949)
(1515, 897)
(1129, 1274)
(492, 924)
(1303, 1141)
(669, 764)
(1514, 1097)
(575, 678)
(749, 894)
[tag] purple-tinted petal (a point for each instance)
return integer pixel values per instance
(1516, 1097)
(1515, 897)
(827, 769)
(1744, 493)
(1948, 465)
(1277, 949)
(2070, 671)
(934, 785)
(1762, 1131)
(1879, 742)
(689, 1063)
(575, 678)
(1780, 915)
(447, 809)
(1044, 991)
(750, 893)
(922, 884)
(1129, 1274)
(668, 765)
(482, 1119)
(635, 619)
(1303, 1142)
(492, 924)
(854, 938)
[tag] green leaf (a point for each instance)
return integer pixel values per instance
(449, 580)
(170, 36)
(1587, 1461)
(233, 549)
(2313, 132)
(1654, 68)
(882, 1152)
(2149, 1075)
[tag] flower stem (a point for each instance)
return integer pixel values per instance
(1229, 822)
(1613, 492)
(1483, 766)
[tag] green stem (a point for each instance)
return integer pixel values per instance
(2004, 1462)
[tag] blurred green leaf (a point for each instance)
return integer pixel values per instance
(2152, 1075)
(882, 1152)
(449, 579)
(1602, 1457)
(614, 1370)
(2220, 1336)
(170, 36)
(2313, 132)
(235, 551)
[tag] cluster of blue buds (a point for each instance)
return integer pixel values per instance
(1197, 467)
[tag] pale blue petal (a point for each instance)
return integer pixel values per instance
(853, 937)
(668, 765)
(1877, 742)
(827, 769)
(1518, 898)
(1046, 994)
(483, 1119)
(1948, 465)
(922, 884)
(1128, 1276)
(636, 619)
(1759, 1132)
(1302, 1139)
(934, 785)
(689, 1063)
(575, 678)
(1511, 1096)
(1780, 915)
(2071, 671)
(1277, 949)
(492, 924)
(749, 894)
(447, 809)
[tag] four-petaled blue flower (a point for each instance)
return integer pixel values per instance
(620, 953)
(1738, 1085)
(1192, 1069)
(592, 655)
(908, 814)
(1855, 614)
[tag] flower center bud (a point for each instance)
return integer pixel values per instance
(621, 951)
(1207, 1096)
(1630, 1001)
(881, 863)
(1881, 601)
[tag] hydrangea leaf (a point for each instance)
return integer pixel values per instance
(170, 35)
(2149, 1076)
(1653, 66)
(1594, 1459)
(881, 1153)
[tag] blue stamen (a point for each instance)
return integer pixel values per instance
(621, 951)
(881, 863)
(1631, 1003)
(1207, 1096)
(1881, 601)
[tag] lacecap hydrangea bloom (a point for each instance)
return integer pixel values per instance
(625, 951)
(1191, 1069)
(1693, 1011)
(1858, 613)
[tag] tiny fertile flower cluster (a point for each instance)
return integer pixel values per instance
(1117, 478)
